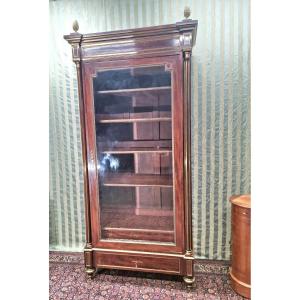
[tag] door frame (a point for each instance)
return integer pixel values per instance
(173, 63)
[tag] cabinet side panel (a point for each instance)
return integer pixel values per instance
(88, 74)
(177, 115)
(84, 153)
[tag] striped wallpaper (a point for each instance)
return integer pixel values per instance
(220, 111)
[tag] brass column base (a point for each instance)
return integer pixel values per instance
(91, 272)
(189, 281)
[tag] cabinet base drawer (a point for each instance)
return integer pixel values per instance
(144, 263)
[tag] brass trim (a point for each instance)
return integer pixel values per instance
(89, 270)
(189, 257)
(136, 151)
(109, 54)
(97, 69)
(125, 184)
(84, 152)
(140, 120)
(87, 249)
(136, 242)
(138, 269)
(153, 52)
(89, 45)
(237, 280)
(129, 40)
(187, 151)
(189, 280)
(140, 252)
(170, 67)
(138, 229)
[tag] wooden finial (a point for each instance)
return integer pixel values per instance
(187, 12)
(75, 26)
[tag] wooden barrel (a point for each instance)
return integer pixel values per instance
(240, 272)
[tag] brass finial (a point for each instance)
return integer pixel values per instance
(187, 12)
(75, 26)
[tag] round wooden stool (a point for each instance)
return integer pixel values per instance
(240, 272)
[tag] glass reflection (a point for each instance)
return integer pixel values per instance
(134, 150)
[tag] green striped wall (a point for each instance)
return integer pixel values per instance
(220, 111)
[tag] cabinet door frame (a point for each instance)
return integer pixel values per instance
(175, 64)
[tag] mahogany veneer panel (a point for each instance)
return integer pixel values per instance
(171, 265)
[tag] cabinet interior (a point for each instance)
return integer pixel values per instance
(133, 119)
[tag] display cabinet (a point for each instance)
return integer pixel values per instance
(134, 94)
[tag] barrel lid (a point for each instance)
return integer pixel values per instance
(241, 200)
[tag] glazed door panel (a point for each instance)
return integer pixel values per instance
(134, 120)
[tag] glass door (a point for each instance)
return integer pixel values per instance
(134, 121)
(134, 142)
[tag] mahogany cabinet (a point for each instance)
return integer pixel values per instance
(240, 270)
(134, 93)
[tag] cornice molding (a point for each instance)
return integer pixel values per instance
(187, 29)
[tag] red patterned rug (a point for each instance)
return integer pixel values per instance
(69, 281)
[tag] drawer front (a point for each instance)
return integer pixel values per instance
(139, 262)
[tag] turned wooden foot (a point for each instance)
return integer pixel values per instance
(189, 281)
(91, 272)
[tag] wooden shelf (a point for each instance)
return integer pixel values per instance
(139, 235)
(120, 150)
(129, 179)
(121, 225)
(134, 120)
(158, 146)
(138, 91)
(116, 111)
(136, 143)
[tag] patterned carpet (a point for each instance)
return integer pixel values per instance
(69, 281)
